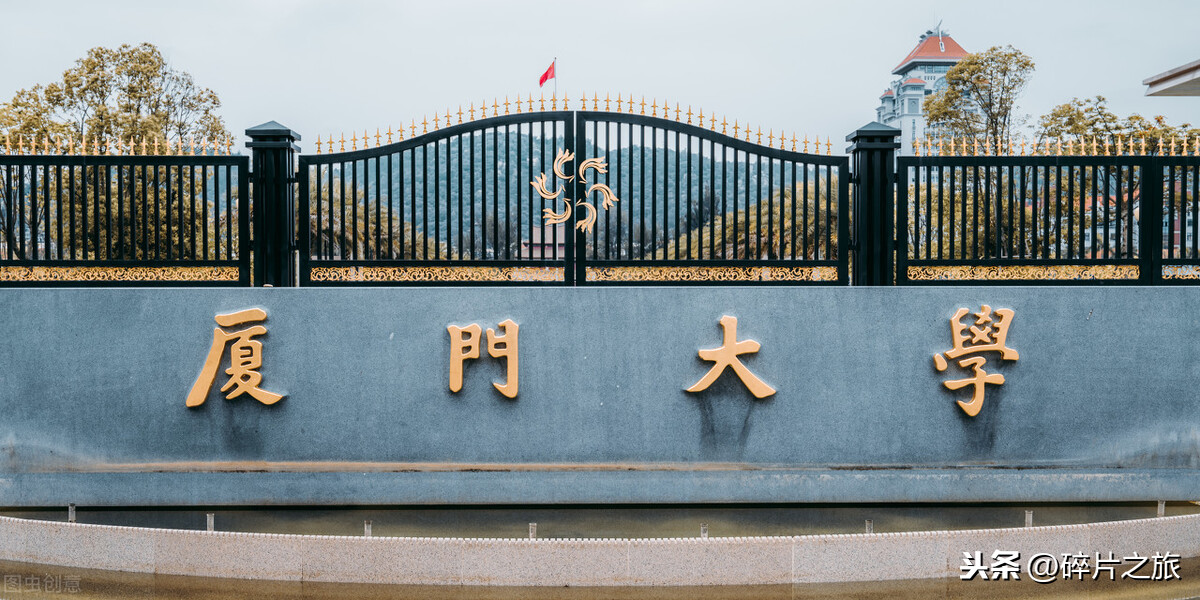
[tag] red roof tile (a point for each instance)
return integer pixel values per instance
(886, 93)
(914, 81)
(929, 49)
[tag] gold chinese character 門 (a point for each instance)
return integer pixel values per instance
(984, 335)
(727, 356)
(499, 346)
(245, 358)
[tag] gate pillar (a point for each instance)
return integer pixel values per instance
(873, 242)
(273, 176)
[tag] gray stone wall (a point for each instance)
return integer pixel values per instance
(1101, 405)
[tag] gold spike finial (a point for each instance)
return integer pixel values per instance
(746, 131)
(566, 101)
(1143, 144)
(643, 109)
(699, 117)
(318, 143)
(724, 123)
(530, 102)
(806, 143)
(473, 111)
(1106, 141)
(770, 137)
(542, 101)
(495, 107)
(606, 100)
(939, 147)
(354, 141)
(758, 138)
(1172, 145)
(654, 108)
(506, 105)
(192, 145)
(677, 111)
(619, 102)
(1057, 147)
(518, 104)
(143, 145)
(342, 143)
(828, 146)
(447, 117)
(736, 128)
(390, 134)
(436, 120)
(378, 137)
(793, 142)
(595, 101)
(1160, 146)
(689, 115)
(713, 125)
(1022, 146)
(974, 146)
(554, 101)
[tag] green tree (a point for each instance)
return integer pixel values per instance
(980, 97)
(1090, 118)
(130, 92)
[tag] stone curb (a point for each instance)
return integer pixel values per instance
(749, 560)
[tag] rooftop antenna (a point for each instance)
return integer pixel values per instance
(941, 44)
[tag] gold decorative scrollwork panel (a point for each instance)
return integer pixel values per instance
(1181, 272)
(712, 274)
(13, 274)
(433, 274)
(1023, 272)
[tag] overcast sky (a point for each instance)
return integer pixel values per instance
(816, 68)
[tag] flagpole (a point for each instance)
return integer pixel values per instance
(555, 76)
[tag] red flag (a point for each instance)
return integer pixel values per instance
(547, 76)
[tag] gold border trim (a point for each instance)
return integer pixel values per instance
(712, 274)
(1023, 272)
(333, 274)
(8, 273)
(1181, 272)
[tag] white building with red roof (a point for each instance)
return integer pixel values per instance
(921, 73)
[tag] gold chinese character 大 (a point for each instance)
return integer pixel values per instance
(245, 358)
(503, 346)
(727, 357)
(985, 334)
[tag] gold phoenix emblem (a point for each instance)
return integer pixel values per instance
(549, 217)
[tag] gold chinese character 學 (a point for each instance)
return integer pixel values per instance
(984, 335)
(727, 357)
(499, 346)
(245, 358)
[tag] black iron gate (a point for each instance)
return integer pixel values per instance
(568, 197)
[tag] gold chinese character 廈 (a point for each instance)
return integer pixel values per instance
(984, 335)
(499, 346)
(245, 358)
(727, 357)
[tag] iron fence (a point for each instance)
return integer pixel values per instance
(163, 220)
